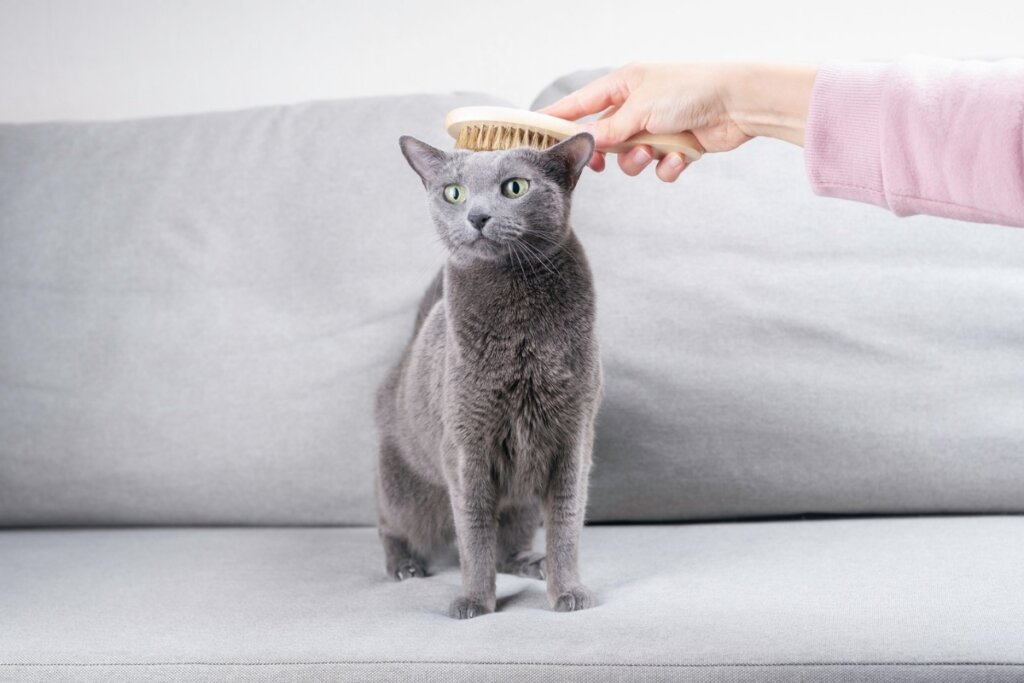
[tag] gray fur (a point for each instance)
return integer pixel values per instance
(487, 420)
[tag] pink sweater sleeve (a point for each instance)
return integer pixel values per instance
(921, 136)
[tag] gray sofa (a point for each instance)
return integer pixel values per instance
(809, 462)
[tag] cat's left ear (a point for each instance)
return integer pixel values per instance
(570, 156)
(427, 161)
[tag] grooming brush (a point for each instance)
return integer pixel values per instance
(495, 128)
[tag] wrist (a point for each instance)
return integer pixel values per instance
(770, 100)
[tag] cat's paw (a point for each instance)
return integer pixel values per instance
(573, 600)
(409, 569)
(464, 608)
(530, 565)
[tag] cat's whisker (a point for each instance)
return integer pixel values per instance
(526, 260)
(548, 238)
(542, 259)
(519, 259)
(515, 254)
(543, 236)
(558, 244)
(513, 251)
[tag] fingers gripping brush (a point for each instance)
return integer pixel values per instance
(495, 128)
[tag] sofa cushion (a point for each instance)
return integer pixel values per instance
(937, 599)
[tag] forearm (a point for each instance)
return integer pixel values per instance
(770, 100)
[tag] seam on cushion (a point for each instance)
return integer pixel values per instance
(514, 663)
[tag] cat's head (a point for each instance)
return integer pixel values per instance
(500, 205)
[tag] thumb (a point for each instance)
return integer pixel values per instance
(615, 127)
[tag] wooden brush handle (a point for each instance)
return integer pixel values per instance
(683, 143)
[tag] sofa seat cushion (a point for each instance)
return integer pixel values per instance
(865, 599)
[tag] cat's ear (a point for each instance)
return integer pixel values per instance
(424, 159)
(569, 157)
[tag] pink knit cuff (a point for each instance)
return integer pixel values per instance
(842, 141)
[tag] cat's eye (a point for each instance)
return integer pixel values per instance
(515, 187)
(454, 194)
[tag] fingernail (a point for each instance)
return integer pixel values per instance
(641, 156)
(674, 161)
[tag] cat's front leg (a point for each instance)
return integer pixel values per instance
(564, 507)
(474, 506)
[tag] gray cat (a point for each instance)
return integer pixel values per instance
(487, 420)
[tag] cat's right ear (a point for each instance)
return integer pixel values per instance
(569, 157)
(427, 161)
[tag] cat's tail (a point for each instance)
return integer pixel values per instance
(433, 294)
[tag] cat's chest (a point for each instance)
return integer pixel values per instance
(518, 393)
(521, 370)
(532, 395)
(524, 423)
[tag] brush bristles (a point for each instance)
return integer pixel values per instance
(486, 138)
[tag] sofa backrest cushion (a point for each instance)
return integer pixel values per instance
(195, 313)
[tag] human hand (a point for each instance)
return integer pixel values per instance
(723, 105)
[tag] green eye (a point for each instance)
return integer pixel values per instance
(454, 194)
(515, 187)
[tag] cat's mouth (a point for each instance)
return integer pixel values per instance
(493, 242)
(484, 246)
(484, 241)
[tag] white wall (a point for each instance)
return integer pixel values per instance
(63, 59)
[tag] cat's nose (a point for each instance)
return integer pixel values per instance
(479, 220)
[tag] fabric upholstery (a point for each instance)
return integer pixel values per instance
(195, 312)
(937, 599)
